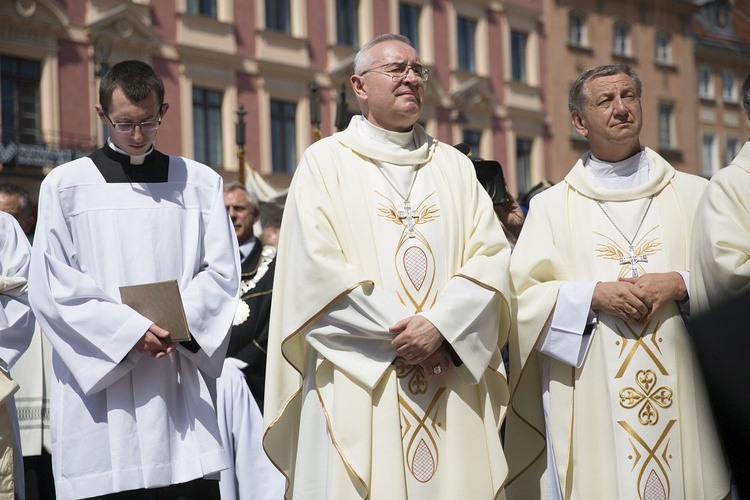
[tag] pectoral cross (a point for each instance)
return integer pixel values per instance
(632, 260)
(409, 215)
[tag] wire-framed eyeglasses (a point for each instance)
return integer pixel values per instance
(127, 127)
(398, 71)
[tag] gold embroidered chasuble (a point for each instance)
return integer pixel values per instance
(721, 267)
(633, 422)
(386, 432)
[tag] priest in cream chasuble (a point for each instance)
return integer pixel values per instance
(628, 417)
(721, 243)
(380, 226)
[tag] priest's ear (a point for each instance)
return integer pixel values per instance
(579, 124)
(101, 113)
(163, 110)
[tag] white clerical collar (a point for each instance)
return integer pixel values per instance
(134, 159)
(246, 248)
(401, 140)
(629, 173)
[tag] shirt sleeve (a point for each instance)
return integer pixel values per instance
(210, 300)
(16, 318)
(566, 337)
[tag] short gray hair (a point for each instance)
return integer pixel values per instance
(578, 96)
(24, 198)
(251, 196)
(363, 59)
(746, 96)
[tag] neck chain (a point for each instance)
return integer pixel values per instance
(633, 259)
(407, 214)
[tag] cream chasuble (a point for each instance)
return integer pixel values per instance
(633, 421)
(362, 423)
(721, 243)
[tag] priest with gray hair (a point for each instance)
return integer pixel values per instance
(391, 305)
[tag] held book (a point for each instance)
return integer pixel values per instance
(160, 302)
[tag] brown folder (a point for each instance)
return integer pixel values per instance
(160, 302)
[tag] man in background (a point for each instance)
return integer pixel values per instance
(32, 372)
(250, 476)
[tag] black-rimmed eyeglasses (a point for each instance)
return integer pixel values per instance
(398, 71)
(126, 127)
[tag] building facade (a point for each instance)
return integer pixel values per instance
(721, 31)
(279, 66)
(500, 71)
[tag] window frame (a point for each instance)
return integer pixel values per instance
(705, 83)
(580, 30)
(413, 18)
(347, 23)
(466, 44)
(524, 177)
(666, 125)
(730, 95)
(621, 40)
(209, 149)
(279, 142)
(24, 85)
(279, 16)
(663, 48)
(519, 56)
(208, 8)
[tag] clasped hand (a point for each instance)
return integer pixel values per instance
(155, 341)
(638, 299)
(421, 344)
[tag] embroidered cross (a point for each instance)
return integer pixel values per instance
(632, 260)
(409, 216)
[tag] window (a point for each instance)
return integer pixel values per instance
(347, 25)
(408, 19)
(621, 40)
(576, 30)
(523, 164)
(728, 87)
(473, 138)
(663, 48)
(466, 30)
(283, 136)
(207, 127)
(666, 126)
(202, 7)
(518, 41)
(733, 149)
(278, 16)
(705, 84)
(19, 84)
(710, 155)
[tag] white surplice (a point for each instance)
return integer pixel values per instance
(250, 475)
(361, 423)
(120, 419)
(16, 330)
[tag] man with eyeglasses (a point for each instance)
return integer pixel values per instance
(132, 412)
(391, 301)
